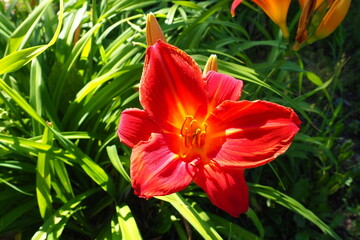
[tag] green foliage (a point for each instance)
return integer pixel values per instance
(67, 70)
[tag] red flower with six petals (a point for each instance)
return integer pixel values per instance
(194, 129)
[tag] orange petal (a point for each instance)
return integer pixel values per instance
(318, 2)
(277, 11)
(332, 19)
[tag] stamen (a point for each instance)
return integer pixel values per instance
(197, 139)
(192, 134)
(193, 124)
(201, 139)
(186, 124)
(187, 137)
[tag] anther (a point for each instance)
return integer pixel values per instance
(186, 125)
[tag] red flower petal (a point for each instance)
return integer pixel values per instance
(135, 126)
(225, 188)
(156, 170)
(222, 87)
(250, 134)
(171, 87)
(234, 5)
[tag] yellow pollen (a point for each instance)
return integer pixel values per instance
(192, 134)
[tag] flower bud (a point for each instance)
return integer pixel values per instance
(302, 32)
(211, 64)
(332, 19)
(153, 30)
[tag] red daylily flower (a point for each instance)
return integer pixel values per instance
(194, 129)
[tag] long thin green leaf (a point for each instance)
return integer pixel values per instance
(231, 229)
(90, 86)
(43, 178)
(17, 212)
(293, 205)
(89, 166)
(18, 59)
(71, 155)
(70, 61)
(55, 224)
(29, 147)
(15, 187)
(254, 218)
(115, 160)
(35, 93)
(192, 216)
(94, 171)
(22, 33)
(125, 226)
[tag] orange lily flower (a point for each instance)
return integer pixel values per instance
(333, 13)
(332, 19)
(318, 2)
(276, 9)
(193, 129)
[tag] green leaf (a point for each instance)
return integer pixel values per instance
(36, 87)
(18, 59)
(188, 4)
(15, 187)
(200, 221)
(55, 224)
(232, 230)
(314, 78)
(71, 153)
(59, 87)
(254, 218)
(293, 205)
(15, 213)
(124, 225)
(92, 169)
(43, 178)
(115, 160)
(22, 33)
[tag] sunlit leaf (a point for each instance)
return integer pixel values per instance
(293, 205)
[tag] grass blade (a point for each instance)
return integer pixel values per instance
(55, 224)
(293, 205)
(115, 160)
(18, 59)
(192, 216)
(125, 226)
(22, 33)
(43, 178)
